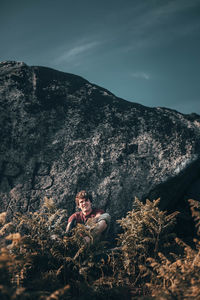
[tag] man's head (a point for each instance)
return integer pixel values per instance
(84, 202)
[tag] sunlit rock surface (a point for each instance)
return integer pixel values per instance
(60, 134)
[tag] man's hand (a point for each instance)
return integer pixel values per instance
(87, 239)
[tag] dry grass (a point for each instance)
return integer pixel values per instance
(38, 261)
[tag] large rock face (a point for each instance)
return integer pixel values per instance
(61, 134)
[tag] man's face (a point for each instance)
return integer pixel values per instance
(86, 206)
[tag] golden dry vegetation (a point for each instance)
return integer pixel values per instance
(38, 260)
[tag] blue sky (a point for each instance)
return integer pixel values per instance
(145, 51)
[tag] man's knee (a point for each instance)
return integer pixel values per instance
(106, 217)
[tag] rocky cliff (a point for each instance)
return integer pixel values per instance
(60, 134)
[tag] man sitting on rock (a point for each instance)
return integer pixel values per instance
(89, 215)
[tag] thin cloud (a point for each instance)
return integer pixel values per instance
(149, 29)
(177, 6)
(140, 75)
(77, 51)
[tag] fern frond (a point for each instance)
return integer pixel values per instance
(195, 209)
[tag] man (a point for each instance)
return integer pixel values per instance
(99, 218)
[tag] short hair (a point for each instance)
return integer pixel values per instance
(82, 195)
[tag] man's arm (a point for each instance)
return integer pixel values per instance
(71, 224)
